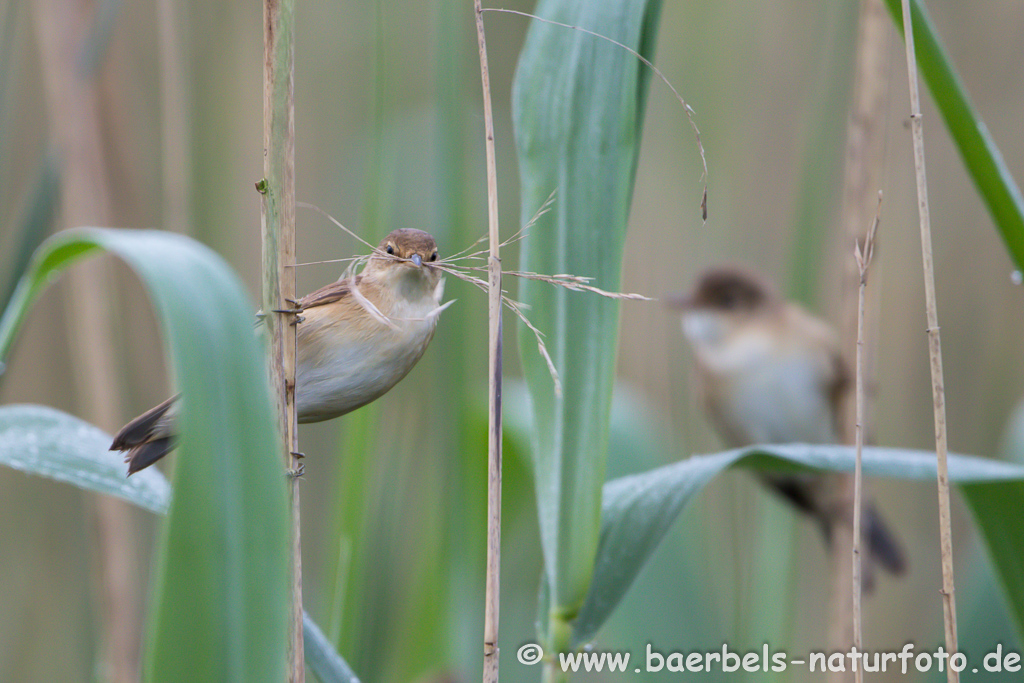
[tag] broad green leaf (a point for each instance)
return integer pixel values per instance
(978, 150)
(49, 443)
(633, 444)
(44, 441)
(998, 510)
(578, 106)
(638, 510)
(983, 618)
(220, 602)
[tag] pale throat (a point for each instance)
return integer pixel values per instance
(414, 292)
(720, 348)
(402, 281)
(704, 329)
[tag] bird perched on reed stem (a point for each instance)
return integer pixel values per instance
(356, 339)
(771, 373)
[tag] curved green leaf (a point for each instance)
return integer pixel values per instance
(220, 605)
(45, 441)
(578, 106)
(981, 156)
(638, 510)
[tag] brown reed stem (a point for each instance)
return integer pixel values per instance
(278, 233)
(864, 138)
(863, 255)
(490, 673)
(934, 347)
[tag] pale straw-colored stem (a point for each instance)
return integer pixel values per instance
(934, 347)
(862, 254)
(278, 221)
(494, 297)
(864, 139)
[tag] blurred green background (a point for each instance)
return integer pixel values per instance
(389, 133)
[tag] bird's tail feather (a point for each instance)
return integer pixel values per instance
(806, 494)
(148, 437)
(144, 455)
(882, 543)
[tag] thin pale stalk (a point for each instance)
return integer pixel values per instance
(934, 347)
(857, 584)
(490, 673)
(278, 232)
(863, 258)
(864, 140)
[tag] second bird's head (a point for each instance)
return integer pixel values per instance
(723, 301)
(406, 254)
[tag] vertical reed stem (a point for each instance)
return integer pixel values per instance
(862, 159)
(934, 347)
(278, 232)
(863, 256)
(490, 674)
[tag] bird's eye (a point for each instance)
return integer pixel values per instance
(433, 257)
(391, 250)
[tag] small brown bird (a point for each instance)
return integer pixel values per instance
(357, 338)
(771, 373)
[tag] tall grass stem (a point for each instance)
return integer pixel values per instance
(863, 158)
(862, 253)
(493, 582)
(934, 347)
(278, 236)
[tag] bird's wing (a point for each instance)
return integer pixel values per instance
(833, 376)
(328, 294)
(839, 382)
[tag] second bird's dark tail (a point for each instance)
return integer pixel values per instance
(805, 492)
(882, 543)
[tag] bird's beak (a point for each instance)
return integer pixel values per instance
(679, 302)
(417, 259)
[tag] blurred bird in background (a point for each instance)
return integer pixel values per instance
(356, 339)
(771, 373)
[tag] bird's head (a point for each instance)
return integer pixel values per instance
(406, 256)
(723, 300)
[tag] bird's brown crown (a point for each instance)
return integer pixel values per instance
(405, 243)
(730, 289)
